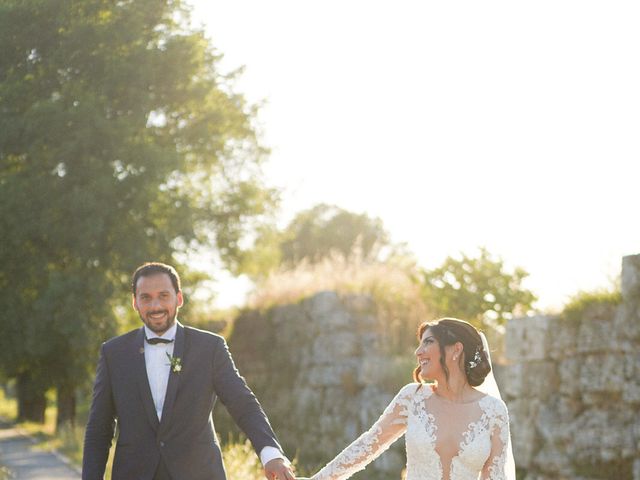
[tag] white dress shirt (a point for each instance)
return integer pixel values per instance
(158, 370)
(158, 365)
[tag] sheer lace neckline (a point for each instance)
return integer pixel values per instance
(446, 462)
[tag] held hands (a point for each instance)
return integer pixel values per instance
(277, 469)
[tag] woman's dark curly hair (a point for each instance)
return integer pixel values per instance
(448, 331)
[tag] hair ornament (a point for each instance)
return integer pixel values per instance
(476, 359)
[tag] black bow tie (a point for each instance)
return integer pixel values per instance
(157, 340)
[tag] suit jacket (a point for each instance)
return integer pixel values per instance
(185, 437)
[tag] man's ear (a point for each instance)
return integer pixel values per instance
(133, 302)
(180, 299)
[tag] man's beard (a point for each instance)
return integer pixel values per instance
(171, 318)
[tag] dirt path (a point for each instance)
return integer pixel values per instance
(18, 455)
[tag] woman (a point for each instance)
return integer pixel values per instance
(453, 430)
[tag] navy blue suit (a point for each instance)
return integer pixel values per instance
(185, 438)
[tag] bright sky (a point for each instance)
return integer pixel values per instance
(506, 124)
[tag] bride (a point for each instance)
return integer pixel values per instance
(456, 428)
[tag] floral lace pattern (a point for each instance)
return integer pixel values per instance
(481, 454)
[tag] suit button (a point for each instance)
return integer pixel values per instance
(162, 444)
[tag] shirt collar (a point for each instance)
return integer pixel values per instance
(169, 334)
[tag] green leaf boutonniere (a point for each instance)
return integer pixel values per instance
(176, 363)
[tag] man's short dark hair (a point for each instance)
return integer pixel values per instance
(154, 268)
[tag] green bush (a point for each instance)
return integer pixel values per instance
(584, 303)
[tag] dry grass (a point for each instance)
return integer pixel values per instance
(392, 284)
(392, 279)
(241, 461)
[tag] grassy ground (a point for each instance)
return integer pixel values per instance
(239, 457)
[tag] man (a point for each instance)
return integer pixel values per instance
(160, 383)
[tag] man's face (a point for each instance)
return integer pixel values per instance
(157, 302)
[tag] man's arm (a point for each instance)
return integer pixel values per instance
(99, 432)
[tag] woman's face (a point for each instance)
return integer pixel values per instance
(428, 355)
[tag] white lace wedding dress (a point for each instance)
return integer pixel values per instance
(444, 440)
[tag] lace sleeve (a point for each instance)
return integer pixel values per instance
(499, 464)
(370, 445)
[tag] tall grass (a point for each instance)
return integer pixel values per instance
(392, 284)
(241, 461)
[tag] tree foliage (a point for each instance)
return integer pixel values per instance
(120, 142)
(316, 234)
(477, 289)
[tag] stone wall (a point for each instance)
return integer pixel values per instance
(573, 390)
(322, 374)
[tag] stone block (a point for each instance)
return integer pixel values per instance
(531, 380)
(331, 375)
(334, 347)
(365, 323)
(631, 387)
(563, 338)
(323, 305)
(630, 278)
(601, 373)
(513, 383)
(541, 379)
(554, 419)
(523, 436)
(360, 304)
(635, 432)
(553, 462)
(522, 415)
(603, 435)
(629, 327)
(631, 393)
(335, 321)
(371, 368)
(372, 405)
(307, 399)
(527, 339)
(595, 335)
(569, 372)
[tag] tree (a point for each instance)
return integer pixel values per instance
(315, 234)
(120, 142)
(479, 290)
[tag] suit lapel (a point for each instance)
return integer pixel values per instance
(174, 378)
(143, 381)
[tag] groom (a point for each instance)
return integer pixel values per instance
(160, 383)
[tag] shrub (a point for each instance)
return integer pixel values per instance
(584, 302)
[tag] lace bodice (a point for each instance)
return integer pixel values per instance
(431, 429)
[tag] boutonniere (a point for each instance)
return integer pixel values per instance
(176, 363)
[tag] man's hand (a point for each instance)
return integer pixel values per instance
(277, 469)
